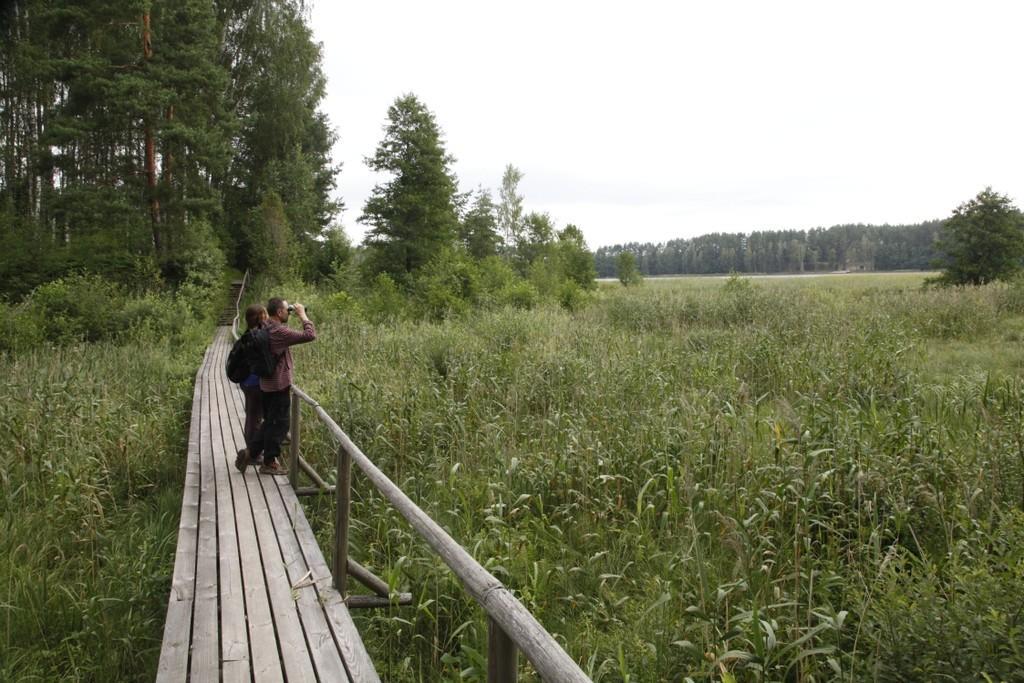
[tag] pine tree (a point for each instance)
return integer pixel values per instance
(412, 216)
(283, 142)
(478, 229)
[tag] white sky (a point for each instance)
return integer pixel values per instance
(647, 121)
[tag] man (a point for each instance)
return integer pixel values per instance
(277, 388)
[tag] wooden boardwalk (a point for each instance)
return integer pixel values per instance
(252, 597)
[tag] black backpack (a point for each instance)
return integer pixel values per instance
(251, 355)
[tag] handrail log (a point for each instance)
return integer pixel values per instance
(238, 302)
(311, 473)
(376, 602)
(368, 578)
(543, 651)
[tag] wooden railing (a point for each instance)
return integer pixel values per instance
(238, 302)
(511, 627)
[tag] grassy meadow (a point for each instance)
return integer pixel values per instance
(700, 479)
(806, 479)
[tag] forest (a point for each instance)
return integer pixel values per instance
(840, 247)
(157, 145)
(141, 140)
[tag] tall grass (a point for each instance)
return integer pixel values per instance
(90, 490)
(749, 480)
(759, 481)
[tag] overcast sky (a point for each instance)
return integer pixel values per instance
(647, 121)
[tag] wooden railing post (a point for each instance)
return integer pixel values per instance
(296, 417)
(502, 655)
(341, 512)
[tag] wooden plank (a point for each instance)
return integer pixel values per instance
(287, 626)
(177, 637)
(205, 664)
(291, 639)
(347, 638)
(234, 636)
(326, 655)
(183, 582)
(266, 663)
(357, 659)
(174, 651)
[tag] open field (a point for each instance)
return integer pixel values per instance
(772, 481)
(839, 280)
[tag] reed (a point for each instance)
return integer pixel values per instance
(747, 479)
(90, 491)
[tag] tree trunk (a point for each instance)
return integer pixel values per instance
(167, 171)
(154, 201)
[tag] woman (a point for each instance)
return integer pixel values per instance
(255, 317)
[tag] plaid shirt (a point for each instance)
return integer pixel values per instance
(282, 337)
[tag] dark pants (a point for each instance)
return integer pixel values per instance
(253, 418)
(276, 408)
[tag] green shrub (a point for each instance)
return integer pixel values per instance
(571, 296)
(76, 308)
(1011, 297)
(956, 314)
(384, 301)
(336, 305)
(953, 621)
(546, 276)
(740, 303)
(24, 330)
(495, 276)
(519, 294)
(89, 308)
(151, 316)
(448, 285)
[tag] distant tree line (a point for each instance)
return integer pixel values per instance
(155, 141)
(841, 247)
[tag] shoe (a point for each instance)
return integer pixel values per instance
(273, 468)
(242, 460)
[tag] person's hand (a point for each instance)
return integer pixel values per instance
(300, 311)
